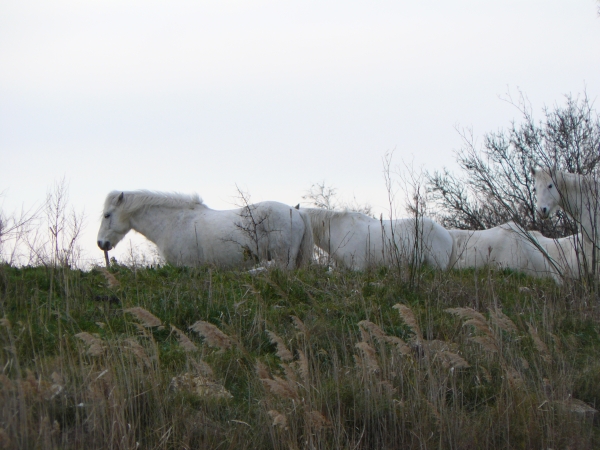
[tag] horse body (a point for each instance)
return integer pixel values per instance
(509, 246)
(187, 232)
(502, 247)
(357, 241)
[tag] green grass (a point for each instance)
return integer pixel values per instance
(517, 391)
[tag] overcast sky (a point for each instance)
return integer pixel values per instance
(271, 96)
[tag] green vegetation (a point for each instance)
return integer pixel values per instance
(171, 357)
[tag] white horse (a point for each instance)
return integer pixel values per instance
(577, 195)
(509, 246)
(357, 241)
(187, 232)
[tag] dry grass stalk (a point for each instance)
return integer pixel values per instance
(184, 341)
(539, 344)
(279, 420)
(409, 318)
(147, 319)
(5, 441)
(96, 345)
(502, 321)
(5, 323)
(369, 359)
(111, 280)
(280, 387)
(282, 351)
(212, 335)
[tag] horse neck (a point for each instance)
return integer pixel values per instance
(152, 221)
(579, 199)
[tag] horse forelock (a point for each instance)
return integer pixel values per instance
(135, 200)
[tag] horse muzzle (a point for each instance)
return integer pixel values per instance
(543, 212)
(104, 245)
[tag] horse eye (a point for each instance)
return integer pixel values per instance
(106, 216)
(549, 186)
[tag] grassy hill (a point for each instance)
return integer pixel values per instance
(171, 357)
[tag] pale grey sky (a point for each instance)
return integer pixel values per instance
(269, 95)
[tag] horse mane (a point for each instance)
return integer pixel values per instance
(319, 219)
(564, 176)
(135, 200)
(319, 216)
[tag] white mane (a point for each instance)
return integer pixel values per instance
(135, 200)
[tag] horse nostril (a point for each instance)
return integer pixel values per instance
(544, 210)
(104, 245)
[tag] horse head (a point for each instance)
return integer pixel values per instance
(548, 197)
(115, 224)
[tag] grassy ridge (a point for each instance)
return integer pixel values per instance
(306, 359)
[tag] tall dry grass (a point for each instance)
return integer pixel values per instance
(199, 358)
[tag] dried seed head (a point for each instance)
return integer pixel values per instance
(184, 341)
(502, 321)
(279, 420)
(111, 280)
(202, 368)
(282, 351)
(467, 313)
(212, 335)
(317, 421)
(369, 357)
(262, 370)
(134, 347)
(200, 386)
(377, 332)
(410, 319)
(299, 325)
(147, 319)
(539, 344)
(281, 387)
(302, 366)
(96, 345)
(487, 342)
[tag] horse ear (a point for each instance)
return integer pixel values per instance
(120, 198)
(297, 206)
